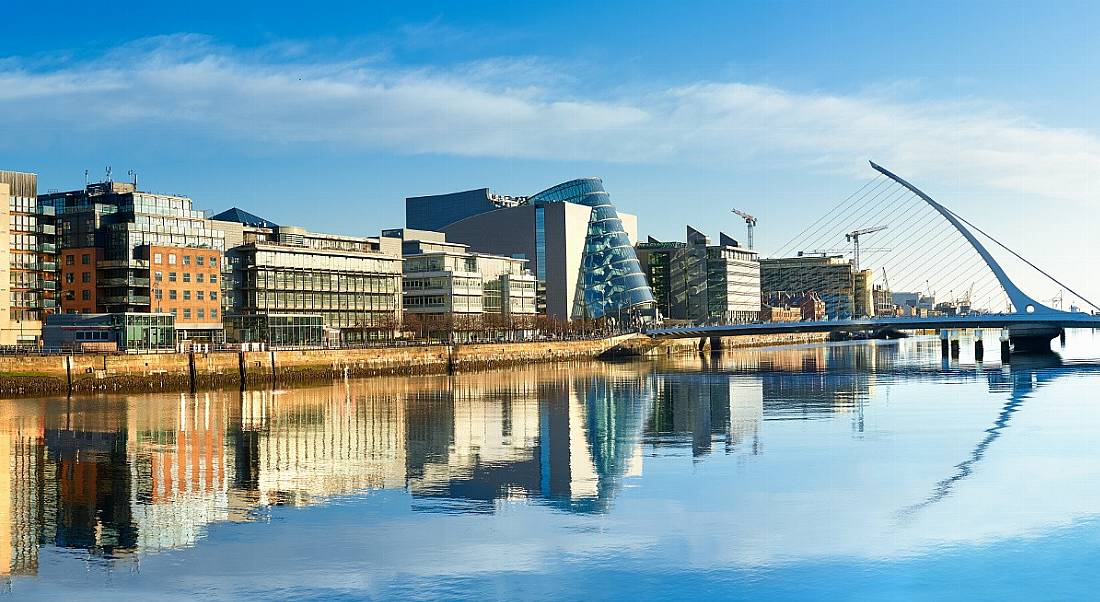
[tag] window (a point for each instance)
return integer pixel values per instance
(85, 259)
(200, 260)
(199, 295)
(171, 259)
(172, 294)
(70, 259)
(213, 295)
(187, 276)
(174, 310)
(186, 314)
(186, 260)
(171, 276)
(70, 277)
(213, 313)
(86, 295)
(213, 278)
(158, 276)
(86, 277)
(213, 260)
(158, 294)
(201, 313)
(198, 277)
(158, 258)
(186, 295)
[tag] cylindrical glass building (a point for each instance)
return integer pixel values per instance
(611, 282)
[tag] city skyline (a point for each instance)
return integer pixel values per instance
(364, 106)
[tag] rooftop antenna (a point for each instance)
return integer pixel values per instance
(109, 173)
(133, 177)
(85, 177)
(750, 223)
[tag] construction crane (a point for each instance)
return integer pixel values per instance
(750, 223)
(853, 237)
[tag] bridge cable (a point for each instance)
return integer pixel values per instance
(847, 216)
(1021, 258)
(881, 180)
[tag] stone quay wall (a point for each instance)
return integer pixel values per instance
(23, 375)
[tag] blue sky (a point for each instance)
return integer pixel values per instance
(329, 114)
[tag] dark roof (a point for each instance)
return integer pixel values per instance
(243, 217)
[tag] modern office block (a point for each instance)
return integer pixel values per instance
(701, 282)
(846, 292)
(477, 291)
(352, 282)
(111, 234)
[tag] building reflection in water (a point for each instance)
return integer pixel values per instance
(120, 476)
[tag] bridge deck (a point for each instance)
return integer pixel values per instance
(1055, 319)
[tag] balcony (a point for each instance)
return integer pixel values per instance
(46, 247)
(126, 300)
(46, 210)
(46, 229)
(48, 266)
(49, 303)
(49, 285)
(132, 282)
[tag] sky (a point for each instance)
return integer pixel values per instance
(328, 114)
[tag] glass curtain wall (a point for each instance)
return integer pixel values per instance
(611, 282)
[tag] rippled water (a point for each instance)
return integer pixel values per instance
(860, 470)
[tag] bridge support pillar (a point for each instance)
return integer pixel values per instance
(979, 346)
(945, 342)
(955, 348)
(1033, 338)
(1006, 346)
(1062, 338)
(715, 344)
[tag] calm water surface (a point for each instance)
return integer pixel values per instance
(851, 471)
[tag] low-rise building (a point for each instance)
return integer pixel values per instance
(110, 332)
(782, 313)
(832, 278)
(448, 287)
(352, 282)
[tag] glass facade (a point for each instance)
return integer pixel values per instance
(277, 330)
(357, 293)
(611, 282)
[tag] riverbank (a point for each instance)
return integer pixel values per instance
(63, 374)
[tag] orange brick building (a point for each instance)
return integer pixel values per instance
(182, 281)
(78, 280)
(185, 282)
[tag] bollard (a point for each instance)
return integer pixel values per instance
(943, 343)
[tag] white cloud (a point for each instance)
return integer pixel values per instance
(524, 108)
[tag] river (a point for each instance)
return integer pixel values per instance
(859, 470)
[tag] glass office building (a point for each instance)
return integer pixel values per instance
(356, 293)
(611, 283)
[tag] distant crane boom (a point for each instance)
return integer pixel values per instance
(750, 223)
(853, 237)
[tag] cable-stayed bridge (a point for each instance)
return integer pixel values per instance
(922, 246)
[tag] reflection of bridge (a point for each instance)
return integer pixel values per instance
(1031, 325)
